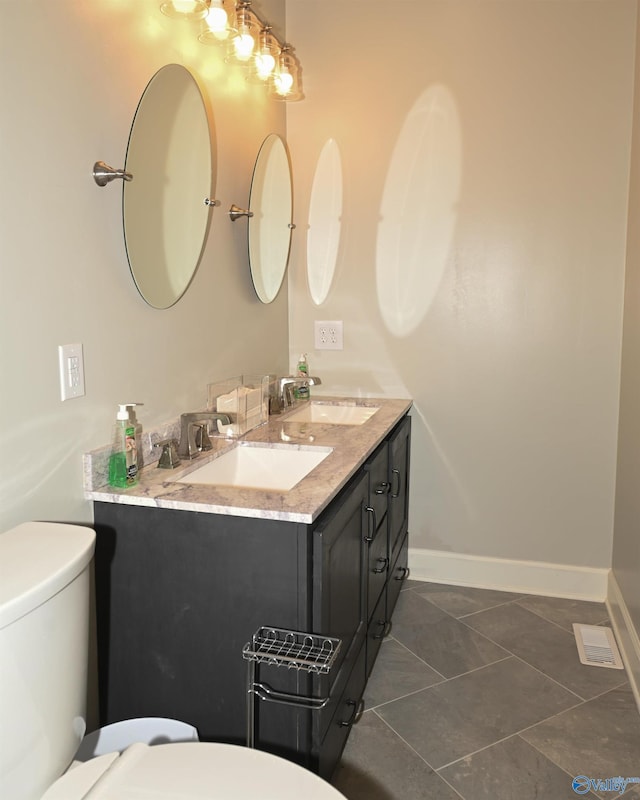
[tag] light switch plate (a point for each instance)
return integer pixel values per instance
(71, 364)
(328, 335)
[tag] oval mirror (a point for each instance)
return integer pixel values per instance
(164, 212)
(270, 203)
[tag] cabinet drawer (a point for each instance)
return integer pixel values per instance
(348, 712)
(397, 576)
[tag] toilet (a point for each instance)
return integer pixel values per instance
(44, 634)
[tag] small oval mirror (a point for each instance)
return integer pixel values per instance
(270, 203)
(165, 215)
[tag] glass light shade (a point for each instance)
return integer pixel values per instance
(217, 27)
(264, 59)
(243, 42)
(185, 9)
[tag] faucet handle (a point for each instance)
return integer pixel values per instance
(169, 458)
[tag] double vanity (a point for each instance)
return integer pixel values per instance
(301, 525)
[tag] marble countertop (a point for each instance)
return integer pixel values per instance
(351, 446)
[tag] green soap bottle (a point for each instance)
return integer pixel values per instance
(301, 392)
(123, 462)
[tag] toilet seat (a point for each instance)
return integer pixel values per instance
(190, 771)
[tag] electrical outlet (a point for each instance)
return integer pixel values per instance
(71, 365)
(328, 335)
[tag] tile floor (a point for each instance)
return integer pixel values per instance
(480, 695)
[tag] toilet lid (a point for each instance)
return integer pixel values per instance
(190, 771)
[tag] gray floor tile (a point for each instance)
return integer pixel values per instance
(461, 600)
(510, 770)
(397, 672)
(502, 730)
(455, 718)
(566, 612)
(377, 765)
(449, 646)
(546, 646)
(599, 739)
(411, 584)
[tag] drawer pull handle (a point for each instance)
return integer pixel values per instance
(404, 574)
(383, 566)
(358, 710)
(382, 488)
(395, 476)
(373, 524)
(385, 625)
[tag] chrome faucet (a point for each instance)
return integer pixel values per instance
(194, 434)
(287, 385)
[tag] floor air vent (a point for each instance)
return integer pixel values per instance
(597, 646)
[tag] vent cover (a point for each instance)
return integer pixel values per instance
(597, 646)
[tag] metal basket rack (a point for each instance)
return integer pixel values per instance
(291, 649)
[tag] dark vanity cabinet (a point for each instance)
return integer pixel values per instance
(179, 593)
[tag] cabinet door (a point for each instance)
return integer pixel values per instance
(399, 456)
(338, 568)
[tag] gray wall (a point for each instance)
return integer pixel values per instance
(499, 309)
(71, 75)
(625, 594)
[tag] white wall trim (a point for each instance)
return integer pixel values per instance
(509, 575)
(627, 636)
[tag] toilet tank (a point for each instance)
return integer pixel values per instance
(44, 635)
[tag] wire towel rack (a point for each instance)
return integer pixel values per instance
(297, 650)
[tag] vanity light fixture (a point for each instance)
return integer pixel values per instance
(251, 42)
(185, 9)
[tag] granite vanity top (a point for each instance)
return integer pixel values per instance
(352, 444)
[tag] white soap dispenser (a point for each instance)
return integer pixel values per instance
(123, 462)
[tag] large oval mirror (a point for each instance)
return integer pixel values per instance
(164, 213)
(270, 225)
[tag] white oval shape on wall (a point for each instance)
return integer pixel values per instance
(418, 211)
(325, 219)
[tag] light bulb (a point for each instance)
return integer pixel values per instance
(283, 81)
(243, 45)
(217, 17)
(265, 64)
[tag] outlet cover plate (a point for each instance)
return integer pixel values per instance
(328, 335)
(71, 364)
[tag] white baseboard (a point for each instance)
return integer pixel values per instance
(509, 575)
(626, 635)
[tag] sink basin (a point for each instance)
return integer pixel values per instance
(332, 414)
(258, 466)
